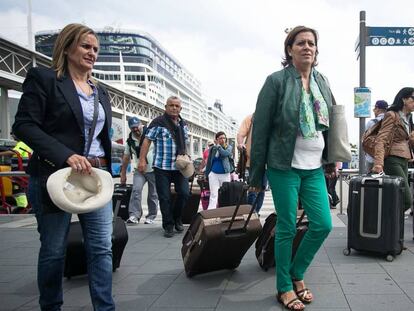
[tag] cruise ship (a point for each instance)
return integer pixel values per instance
(136, 63)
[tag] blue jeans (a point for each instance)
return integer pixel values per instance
(259, 196)
(171, 211)
(53, 229)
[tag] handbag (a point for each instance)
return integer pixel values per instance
(339, 149)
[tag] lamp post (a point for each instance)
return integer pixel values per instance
(29, 25)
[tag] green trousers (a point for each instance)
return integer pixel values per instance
(310, 187)
(397, 166)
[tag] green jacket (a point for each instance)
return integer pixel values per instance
(276, 121)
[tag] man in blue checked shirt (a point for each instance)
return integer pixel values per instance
(169, 133)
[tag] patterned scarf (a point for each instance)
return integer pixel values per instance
(313, 115)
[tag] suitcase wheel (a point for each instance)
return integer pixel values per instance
(389, 258)
(346, 251)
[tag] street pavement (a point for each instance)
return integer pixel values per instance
(151, 275)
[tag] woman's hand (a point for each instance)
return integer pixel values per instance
(79, 163)
(377, 169)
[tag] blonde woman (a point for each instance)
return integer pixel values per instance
(55, 117)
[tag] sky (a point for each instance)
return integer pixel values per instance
(231, 46)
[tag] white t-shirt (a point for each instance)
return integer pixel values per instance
(308, 152)
(134, 160)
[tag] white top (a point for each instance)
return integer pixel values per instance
(308, 152)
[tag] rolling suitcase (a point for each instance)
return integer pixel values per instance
(218, 239)
(191, 208)
(231, 193)
(411, 183)
(125, 190)
(75, 260)
(265, 244)
(376, 215)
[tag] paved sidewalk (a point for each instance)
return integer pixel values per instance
(151, 276)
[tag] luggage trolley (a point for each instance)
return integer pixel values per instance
(18, 177)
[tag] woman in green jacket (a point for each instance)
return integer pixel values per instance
(289, 142)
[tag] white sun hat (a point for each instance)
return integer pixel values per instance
(78, 193)
(185, 165)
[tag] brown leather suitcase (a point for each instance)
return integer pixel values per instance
(218, 239)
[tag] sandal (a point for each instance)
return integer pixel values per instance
(303, 293)
(290, 305)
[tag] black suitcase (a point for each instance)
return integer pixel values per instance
(75, 260)
(191, 208)
(265, 244)
(125, 190)
(231, 193)
(218, 239)
(411, 183)
(376, 215)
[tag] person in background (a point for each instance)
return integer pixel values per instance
(203, 180)
(218, 166)
(205, 156)
(380, 109)
(134, 141)
(395, 140)
(331, 185)
(289, 143)
(169, 133)
(55, 118)
(20, 155)
(244, 143)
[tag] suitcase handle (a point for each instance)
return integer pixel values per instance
(117, 206)
(243, 165)
(244, 191)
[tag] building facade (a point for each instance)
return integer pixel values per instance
(136, 63)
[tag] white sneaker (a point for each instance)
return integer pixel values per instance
(132, 220)
(149, 221)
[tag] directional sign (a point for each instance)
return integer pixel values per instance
(390, 36)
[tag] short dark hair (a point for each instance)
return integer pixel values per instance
(290, 39)
(218, 134)
(398, 103)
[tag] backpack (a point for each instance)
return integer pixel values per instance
(132, 143)
(368, 138)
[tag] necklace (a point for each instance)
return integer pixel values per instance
(88, 90)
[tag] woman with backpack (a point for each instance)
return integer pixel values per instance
(395, 140)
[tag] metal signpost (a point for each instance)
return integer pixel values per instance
(362, 45)
(377, 36)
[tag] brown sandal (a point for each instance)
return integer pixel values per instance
(290, 305)
(303, 293)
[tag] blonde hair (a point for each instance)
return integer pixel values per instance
(68, 38)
